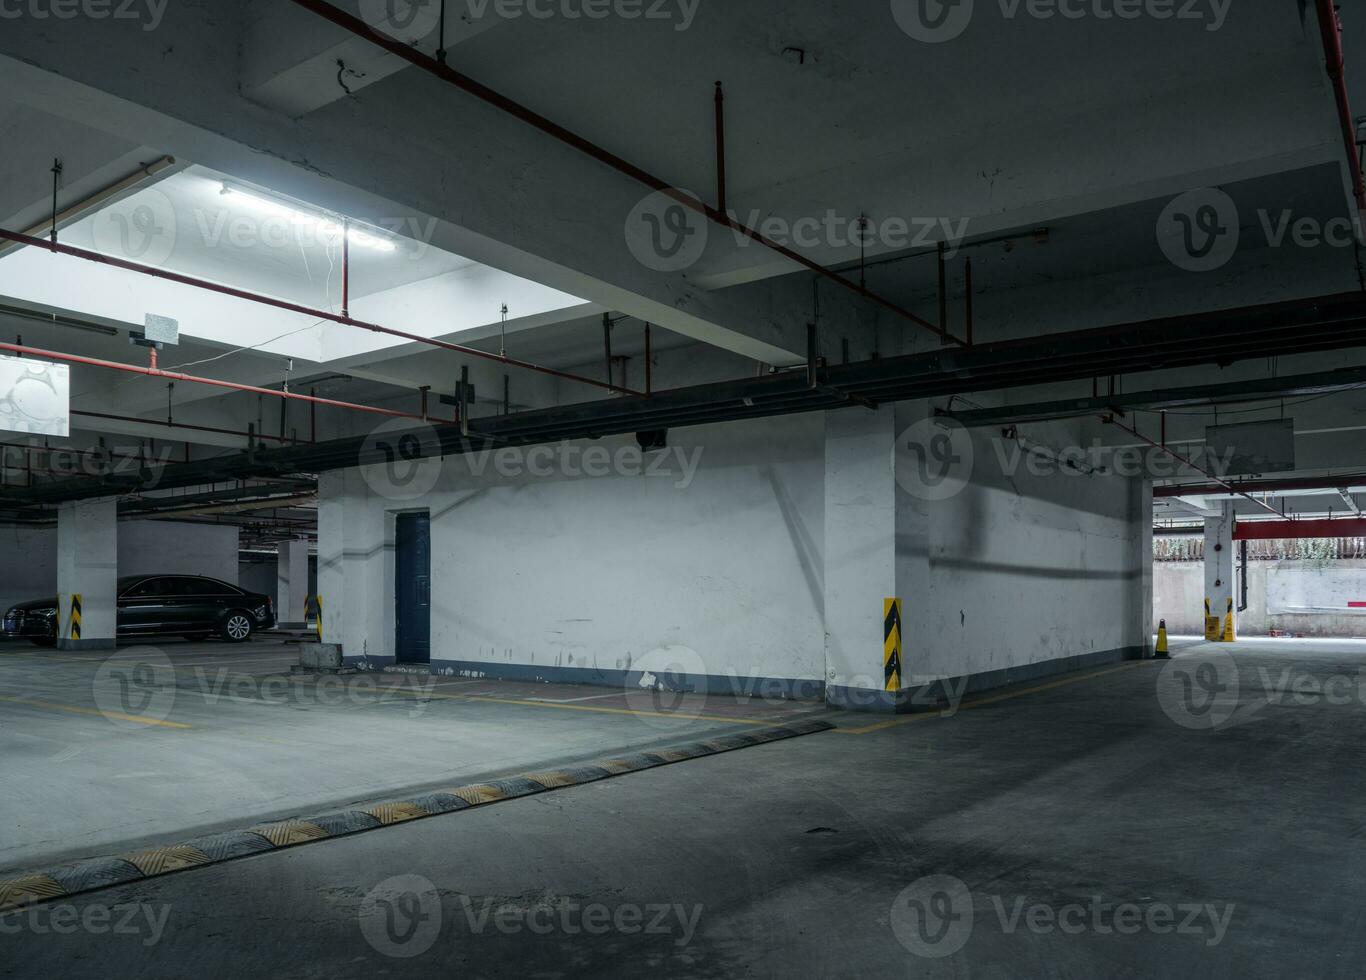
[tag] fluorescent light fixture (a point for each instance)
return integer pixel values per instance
(327, 229)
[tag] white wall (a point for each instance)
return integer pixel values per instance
(1295, 596)
(149, 547)
(1030, 563)
(257, 577)
(588, 579)
(28, 564)
(28, 556)
(597, 574)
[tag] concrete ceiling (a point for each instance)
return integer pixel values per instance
(1086, 128)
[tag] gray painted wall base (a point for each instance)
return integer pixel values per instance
(925, 697)
(939, 694)
(87, 644)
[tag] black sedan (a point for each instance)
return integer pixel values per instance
(161, 605)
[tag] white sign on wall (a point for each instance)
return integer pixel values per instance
(35, 397)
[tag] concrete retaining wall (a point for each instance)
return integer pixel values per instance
(1295, 596)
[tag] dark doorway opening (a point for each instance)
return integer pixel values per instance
(413, 588)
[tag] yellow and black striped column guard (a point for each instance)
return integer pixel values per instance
(891, 644)
(319, 601)
(1230, 633)
(75, 631)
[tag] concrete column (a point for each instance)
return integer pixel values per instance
(291, 577)
(860, 554)
(1141, 622)
(1219, 563)
(87, 566)
(331, 550)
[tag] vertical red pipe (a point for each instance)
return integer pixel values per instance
(1331, 29)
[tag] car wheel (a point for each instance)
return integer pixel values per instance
(237, 627)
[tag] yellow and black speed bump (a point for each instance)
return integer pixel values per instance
(85, 876)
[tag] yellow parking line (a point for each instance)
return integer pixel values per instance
(680, 715)
(995, 699)
(93, 711)
(24, 654)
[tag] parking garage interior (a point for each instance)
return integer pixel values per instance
(597, 488)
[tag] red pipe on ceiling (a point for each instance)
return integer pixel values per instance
(1265, 486)
(1330, 27)
(413, 56)
(156, 372)
(147, 270)
(1353, 527)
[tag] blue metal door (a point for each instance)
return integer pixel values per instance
(413, 588)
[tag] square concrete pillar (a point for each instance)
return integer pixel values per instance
(87, 569)
(331, 553)
(1219, 566)
(1142, 615)
(291, 578)
(860, 556)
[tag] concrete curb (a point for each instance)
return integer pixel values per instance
(90, 875)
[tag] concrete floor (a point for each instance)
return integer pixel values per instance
(1098, 803)
(100, 755)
